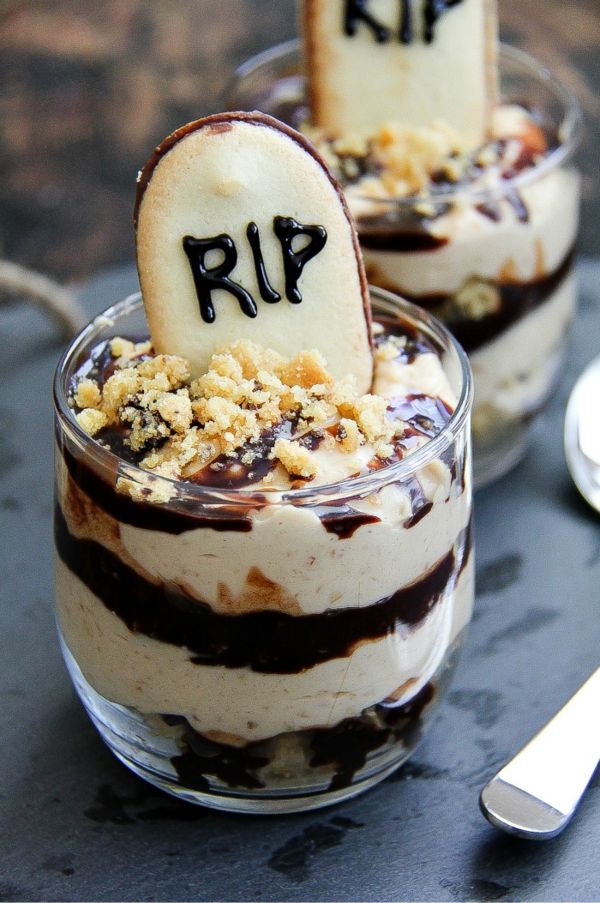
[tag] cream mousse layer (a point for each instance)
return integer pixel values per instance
(412, 536)
(507, 250)
(154, 677)
(304, 568)
(513, 372)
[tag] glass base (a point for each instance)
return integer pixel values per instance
(165, 751)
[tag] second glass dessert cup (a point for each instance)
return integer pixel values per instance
(495, 263)
(268, 709)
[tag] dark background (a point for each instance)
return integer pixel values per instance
(88, 88)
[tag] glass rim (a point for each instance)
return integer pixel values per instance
(569, 129)
(186, 490)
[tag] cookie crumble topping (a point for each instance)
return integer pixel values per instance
(251, 403)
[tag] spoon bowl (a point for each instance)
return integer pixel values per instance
(582, 434)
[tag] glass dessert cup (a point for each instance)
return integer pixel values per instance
(495, 264)
(263, 711)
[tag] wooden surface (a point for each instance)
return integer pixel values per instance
(88, 88)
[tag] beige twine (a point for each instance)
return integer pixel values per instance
(44, 293)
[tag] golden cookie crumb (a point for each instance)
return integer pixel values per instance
(297, 460)
(91, 420)
(87, 394)
(349, 435)
(120, 347)
(384, 450)
(306, 369)
(176, 369)
(389, 350)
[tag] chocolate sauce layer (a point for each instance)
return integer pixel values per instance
(147, 516)
(231, 765)
(348, 745)
(345, 747)
(393, 239)
(515, 300)
(268, 642)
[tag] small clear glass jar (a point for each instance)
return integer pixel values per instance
(495, 264)
(274, 709)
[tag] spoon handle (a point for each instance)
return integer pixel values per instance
(537, 792)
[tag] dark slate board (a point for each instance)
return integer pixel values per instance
(78, 826)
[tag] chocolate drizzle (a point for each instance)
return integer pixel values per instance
(391, 238)
(151, 516)
(426, 414)
(269, 642)
(229, 471)
(517, 299)
(415, 342)
(343, 520)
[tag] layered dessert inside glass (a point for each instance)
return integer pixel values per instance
(263, 571)
(464, 198)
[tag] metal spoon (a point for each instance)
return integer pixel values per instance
(536, 793)
(582, 434)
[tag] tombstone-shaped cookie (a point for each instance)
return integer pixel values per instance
(410, 61)
(242, 232)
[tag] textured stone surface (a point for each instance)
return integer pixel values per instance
(77, 826)
(88, 89)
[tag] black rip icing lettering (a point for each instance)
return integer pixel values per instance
(287, 229)
(434, 10)
(406, 24)
(267, 292)
(355, 12)
(207, 280)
